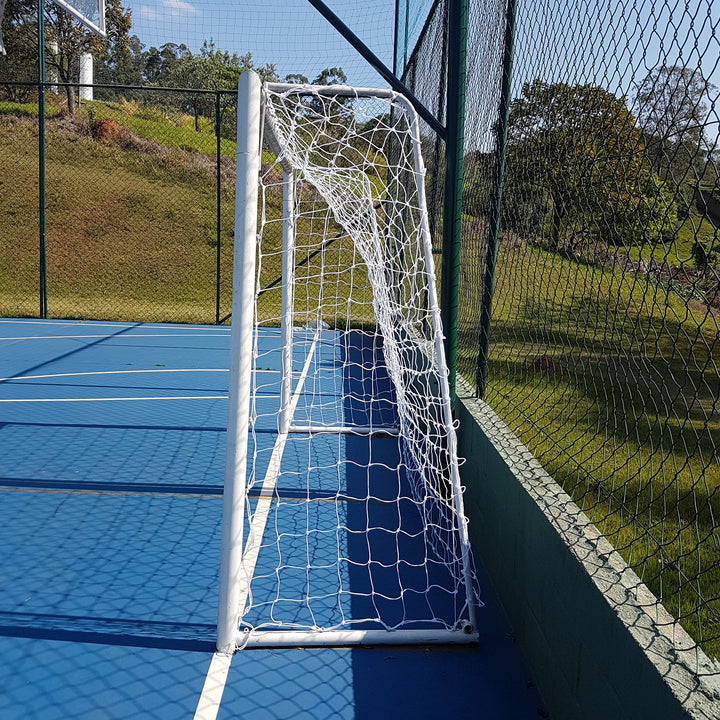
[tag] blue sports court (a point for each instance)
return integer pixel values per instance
(112, 453)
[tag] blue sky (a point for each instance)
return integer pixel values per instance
(289, 33)
(613, 43)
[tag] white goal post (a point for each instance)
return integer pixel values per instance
(343, 519)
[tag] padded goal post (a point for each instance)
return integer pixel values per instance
(348, 527)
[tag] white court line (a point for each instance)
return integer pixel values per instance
(115, 399)
(71, 323)
(262, 509)
(124, 372)
(212, 692)
(112, 372)
(108, 337)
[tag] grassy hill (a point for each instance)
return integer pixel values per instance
(131, 220)
(612, 381)
(131, 224)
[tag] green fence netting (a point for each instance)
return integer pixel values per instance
(603, 347)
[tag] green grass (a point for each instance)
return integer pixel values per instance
(612, 383)
(19, 109)
(679, 252)
(172, 129)
(132, 234)
(129, 234)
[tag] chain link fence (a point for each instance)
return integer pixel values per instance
(603, 264)
(136, 212)
(589, 296)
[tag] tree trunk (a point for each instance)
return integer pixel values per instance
(65, 77)
(70, 100)
(557, 216)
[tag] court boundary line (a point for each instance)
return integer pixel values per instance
(213, 687)
(108, 337)
(114, 399)
(216, 678)
(267, 489)
(111, 372)
(108, 323)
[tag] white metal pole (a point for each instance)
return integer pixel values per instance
(86, 77)
(442, 366)
(241, 358)
(288, 279)
(329, 638)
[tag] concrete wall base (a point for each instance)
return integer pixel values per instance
(599, 645)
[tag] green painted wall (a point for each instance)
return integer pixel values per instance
(576, 608)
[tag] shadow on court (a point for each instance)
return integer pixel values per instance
(109, 528)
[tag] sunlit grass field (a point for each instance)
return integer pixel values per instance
(130, 234)
(612, 382)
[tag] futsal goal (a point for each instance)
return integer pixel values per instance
(343, 517)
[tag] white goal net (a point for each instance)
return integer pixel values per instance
(343, 518)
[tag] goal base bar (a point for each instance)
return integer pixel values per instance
(346, 429)
(339, 638)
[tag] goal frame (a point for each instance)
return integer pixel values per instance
(233, 582)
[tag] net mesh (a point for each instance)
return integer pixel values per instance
(602, 351)
(363, 525)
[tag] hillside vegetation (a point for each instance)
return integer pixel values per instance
(131, 222)
(612, 382)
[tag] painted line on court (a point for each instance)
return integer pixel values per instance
(111, 372)
(113, 399)
(126, 372)
(212, 692)
(213, 688)
(262, 509)
(83, 323)
(108, 337)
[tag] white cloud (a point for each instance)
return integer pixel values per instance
(166, 10)
(179, 7)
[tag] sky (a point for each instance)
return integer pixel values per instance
(288, 33)
(612, 43)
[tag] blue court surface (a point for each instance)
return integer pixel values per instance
(112, 452)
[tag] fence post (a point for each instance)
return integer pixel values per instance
(217, 218)
(41, 159)
(494, 221)
(452, 218)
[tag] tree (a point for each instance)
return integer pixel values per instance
(65, 40)
(296, 79)
(672, 112)
(477, 182)
(120, 60)
(331, 76)
(20, 40)
(578, 150)
(159, 65)
(211, 69)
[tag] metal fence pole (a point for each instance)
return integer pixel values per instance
(41, 159)
(494, 221)
(457, 43)
(217, 219)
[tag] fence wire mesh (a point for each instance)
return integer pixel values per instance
(603, 348)
(138, 206)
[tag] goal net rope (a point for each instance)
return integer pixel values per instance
(354, 523)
